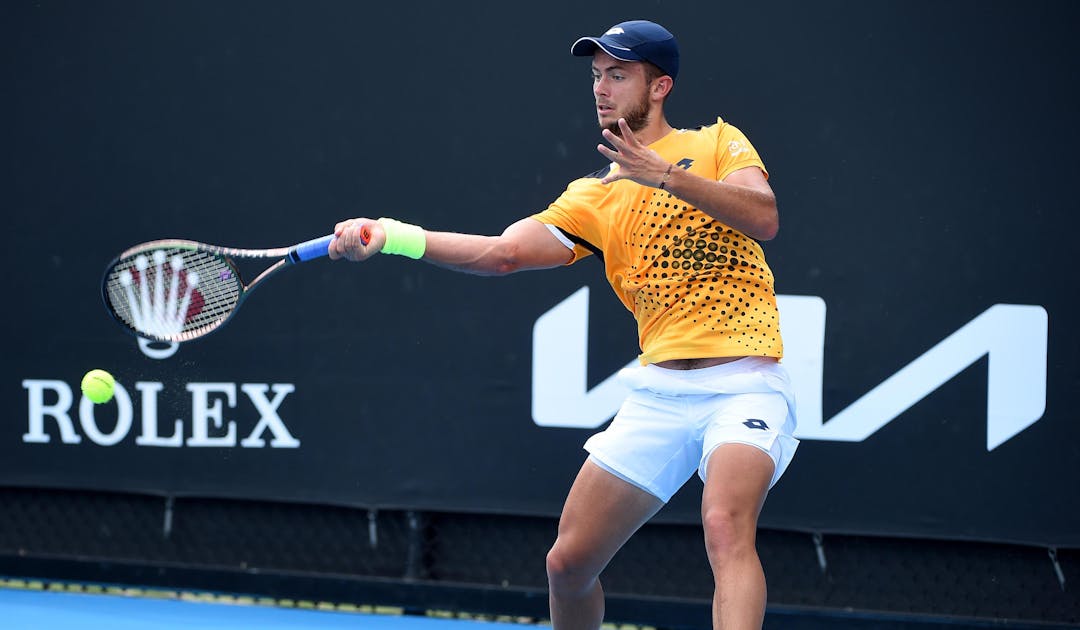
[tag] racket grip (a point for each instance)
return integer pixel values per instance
(310, 250)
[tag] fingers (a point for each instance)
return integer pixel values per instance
(629, 156)
(611, 137)
(614, 173)
(356, 239)
(624, 139)
(625, 143)
(631, 159)
(612, 154)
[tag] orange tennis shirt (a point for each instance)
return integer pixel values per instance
(697, 287)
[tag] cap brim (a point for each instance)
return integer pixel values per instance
(586, 46)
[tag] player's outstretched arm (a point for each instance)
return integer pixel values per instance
(527, 244)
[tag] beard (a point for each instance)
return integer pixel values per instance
(636, 117)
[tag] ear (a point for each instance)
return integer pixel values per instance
(662, 86)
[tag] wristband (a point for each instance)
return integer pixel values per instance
(403, 239)
(667, 174)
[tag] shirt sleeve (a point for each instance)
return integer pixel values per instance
(734, 152)
(574, 213)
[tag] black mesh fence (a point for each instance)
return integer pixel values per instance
(492, 564)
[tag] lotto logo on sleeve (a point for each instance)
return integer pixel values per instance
(756, 424)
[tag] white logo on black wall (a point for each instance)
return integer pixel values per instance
(213, 422)
(1013, 336)
(220, 413)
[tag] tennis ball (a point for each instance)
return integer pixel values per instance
(97, 385)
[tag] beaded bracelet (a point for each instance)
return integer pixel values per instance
(667, 174)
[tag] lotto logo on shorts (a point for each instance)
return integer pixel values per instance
(756, 424)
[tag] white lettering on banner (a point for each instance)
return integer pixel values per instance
(209, 426)
(1014, 336)
(202, 411)
(123, 419)
(560, 393)
(269, 418)
(58, 411)
(150, 435)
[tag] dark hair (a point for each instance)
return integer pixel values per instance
(652, 72)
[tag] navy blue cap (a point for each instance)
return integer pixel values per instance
(636, 40)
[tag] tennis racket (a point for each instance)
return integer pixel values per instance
(179, 290)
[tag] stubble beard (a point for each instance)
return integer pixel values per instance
(637, 118)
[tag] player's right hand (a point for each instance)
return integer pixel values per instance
(357, 239)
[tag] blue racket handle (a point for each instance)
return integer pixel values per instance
(320, 247)
(310, 250)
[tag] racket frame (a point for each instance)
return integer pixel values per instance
(288, 256)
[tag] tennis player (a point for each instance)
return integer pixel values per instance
(676, 218)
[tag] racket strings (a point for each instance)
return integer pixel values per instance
(172, 294)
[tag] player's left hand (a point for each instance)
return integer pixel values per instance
(636, 161)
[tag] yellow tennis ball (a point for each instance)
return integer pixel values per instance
(98, 386)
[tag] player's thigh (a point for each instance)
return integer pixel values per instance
(735, 489)
(756, 420)
(601, 512)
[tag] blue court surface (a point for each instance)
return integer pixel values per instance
(30, 609)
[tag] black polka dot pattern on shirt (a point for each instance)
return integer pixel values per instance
(693, 268)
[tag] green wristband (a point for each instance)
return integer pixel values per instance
(403, 239)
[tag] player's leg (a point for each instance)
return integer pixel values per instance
(736, 484)
(602, 511)
(747, 447)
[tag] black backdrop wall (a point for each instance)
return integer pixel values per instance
(922, 154)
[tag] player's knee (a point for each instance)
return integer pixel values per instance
(727, 532)
(569, 571)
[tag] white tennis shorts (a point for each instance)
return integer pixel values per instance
(673, 420)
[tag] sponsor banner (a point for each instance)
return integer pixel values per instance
(918, 263)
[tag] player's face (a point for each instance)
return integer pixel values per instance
(621, 91)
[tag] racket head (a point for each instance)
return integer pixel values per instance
(172, 290)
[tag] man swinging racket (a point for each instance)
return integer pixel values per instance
(676, 219)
